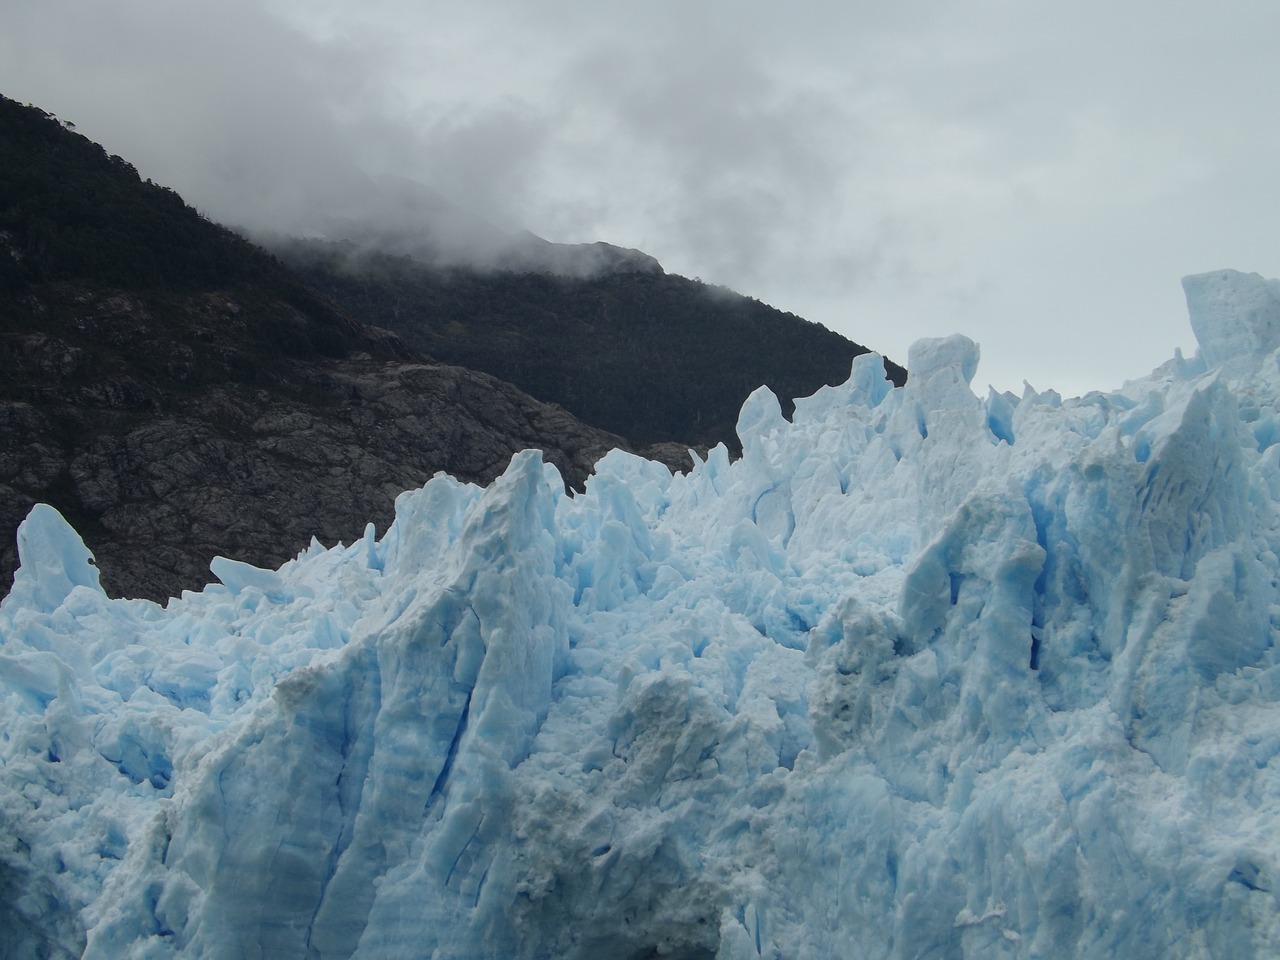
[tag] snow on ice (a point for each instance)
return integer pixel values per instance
(920, 675)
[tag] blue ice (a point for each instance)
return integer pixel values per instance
(920, 674)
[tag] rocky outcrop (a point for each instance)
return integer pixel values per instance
(166, 444)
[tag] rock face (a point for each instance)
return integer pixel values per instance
(164, 478)
(177, 394)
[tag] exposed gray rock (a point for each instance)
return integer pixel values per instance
(160, 476)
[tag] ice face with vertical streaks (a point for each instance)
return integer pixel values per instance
(921, 674)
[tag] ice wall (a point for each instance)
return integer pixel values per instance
(921, 675)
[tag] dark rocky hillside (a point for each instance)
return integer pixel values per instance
(645, 354)
(177, 393)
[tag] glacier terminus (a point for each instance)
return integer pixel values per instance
(922, 674)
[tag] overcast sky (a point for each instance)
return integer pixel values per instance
(1035, 175)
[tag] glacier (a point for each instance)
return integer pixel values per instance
(922, 674)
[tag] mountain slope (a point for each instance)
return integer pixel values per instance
(648, 355)
(179, 394)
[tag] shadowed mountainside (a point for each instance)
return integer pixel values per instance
(644, 354)
(176, 393)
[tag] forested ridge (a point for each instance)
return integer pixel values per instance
(645, 354)
(176, 393)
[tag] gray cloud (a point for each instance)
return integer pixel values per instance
(718, 155)
(226, 104)
(1037, 177)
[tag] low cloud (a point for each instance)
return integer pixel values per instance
(891, 170)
